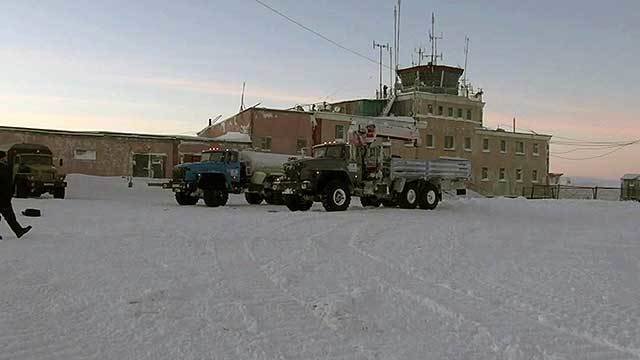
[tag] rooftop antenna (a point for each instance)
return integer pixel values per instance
(242, 97)
(382, 47)
(466, 56)
(394, 60)
(398, 36)
(434, 41)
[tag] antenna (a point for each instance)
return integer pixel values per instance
(434, 41)
(242, 97)
(395, 47)
(466, 56)
(398, 36)
(382, 47)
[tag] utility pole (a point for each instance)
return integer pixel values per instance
(394, 64)
(398, 37)
(382, 47)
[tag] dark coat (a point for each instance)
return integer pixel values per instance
(6, 186)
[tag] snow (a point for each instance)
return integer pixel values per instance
(232, 136)
(124, 273)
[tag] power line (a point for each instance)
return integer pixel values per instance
(354, 52)
(616, 149)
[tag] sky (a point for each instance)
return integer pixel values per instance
(565, 68)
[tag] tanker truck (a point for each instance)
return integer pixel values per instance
(225, 171)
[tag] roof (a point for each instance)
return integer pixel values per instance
(434, 68)
(107, 134)
(631, 177)
(235, 137)
(223, 119)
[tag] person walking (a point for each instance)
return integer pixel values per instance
(6, 193)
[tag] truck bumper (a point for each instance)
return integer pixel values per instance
(179, 186)
(303, 188)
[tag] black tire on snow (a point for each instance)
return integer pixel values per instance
(58, 193)
(215, 198)
(305, 205)
(409, 197)
(292, 203)
(428, 197)
(336, 197)
(186, 199)
(253, 198)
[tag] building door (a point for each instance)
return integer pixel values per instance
(149, 165)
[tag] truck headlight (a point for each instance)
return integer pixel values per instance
(306, 185)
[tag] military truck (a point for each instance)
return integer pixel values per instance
(365, 167)
(224, 171)
(33, 171)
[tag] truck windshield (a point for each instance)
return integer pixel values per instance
(213, 156)
(334, 152)
(35, 160)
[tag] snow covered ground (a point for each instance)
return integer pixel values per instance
(119, 273)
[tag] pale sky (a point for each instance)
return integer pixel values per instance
(565, 68)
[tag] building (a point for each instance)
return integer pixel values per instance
(448, 113)
(630, 189)
(116, 154)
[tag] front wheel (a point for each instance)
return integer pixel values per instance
(409, 197)
(59, 193)
(253, 198)
(336, 197)
(215, 198)
(428, 197)
(184, 199)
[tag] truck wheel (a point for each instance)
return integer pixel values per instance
(428, 197)
(186, 199)
(336, 197)
(292, 203)
(253, 198)
(59, 193)
(389, 203)
(22, 192)
(305, 205)
(215, 198)
(409, 197)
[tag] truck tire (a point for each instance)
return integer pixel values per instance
(297, 203)
(215, 198)
(336, 197)
(59, 193)
(253, 198)
(428, 199)
(184, 199)
(409, 197)
(22, 192)
(389, 203)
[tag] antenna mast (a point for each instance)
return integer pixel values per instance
(466, 56)
(398, 37)
(434, 41)
(382, 47)
(242, 97)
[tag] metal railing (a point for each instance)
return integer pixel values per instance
(571, 192)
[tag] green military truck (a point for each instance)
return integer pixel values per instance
(33, 171)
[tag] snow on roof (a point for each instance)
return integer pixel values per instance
(631, 177)
(107, 134)
(233, 136)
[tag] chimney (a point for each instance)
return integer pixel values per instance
(209, 121)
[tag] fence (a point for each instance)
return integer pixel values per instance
(571, 192)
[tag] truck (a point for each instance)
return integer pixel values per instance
(33, 171)
(364, 167)
(224, 171)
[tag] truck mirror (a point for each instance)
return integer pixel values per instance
(61, 162)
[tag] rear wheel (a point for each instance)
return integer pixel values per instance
(409, 197)
(185, 199)
(215, 198)
(336, 197)
(59, 193)
(253, 198)
(428, 197)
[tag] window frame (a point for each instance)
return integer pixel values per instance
(453, 142)
(534, 176)
(488, 147)
(433, 141)
(518, 143)
(440, 110)
(535, 149)
(344, 133)
(506, 147)
(450, 112)
(502, 175)
(264, 141)
(470, 148)
(459, 113)
(483, 171)
(469, 114)
(519, 175)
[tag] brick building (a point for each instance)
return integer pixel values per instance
(115, 154)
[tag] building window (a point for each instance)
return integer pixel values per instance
(265, 143)
(536, 149)
(520, 147)
(450, 112)
(502, 175)
(449, 143)
(430, 109)
(534, 176)
(468, 114)
(467, 143)
(519, 175)
(440, 110)
(429, 141)
(503, 146)
(485, 145)
(82, 154)
(485, 174)
(301, 144)
(340, 135)
(460, 113)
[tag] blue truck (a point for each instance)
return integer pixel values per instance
(225, 171)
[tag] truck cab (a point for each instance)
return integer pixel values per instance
(33, 171)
